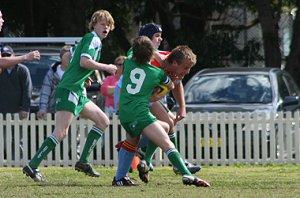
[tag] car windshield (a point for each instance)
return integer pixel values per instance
(39, 68)
(229, 88)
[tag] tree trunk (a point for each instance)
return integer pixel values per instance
(269, 25)
(293, 60)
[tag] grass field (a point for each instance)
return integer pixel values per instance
(226, 181)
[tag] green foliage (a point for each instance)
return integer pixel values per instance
(185, 22)
(226, 181)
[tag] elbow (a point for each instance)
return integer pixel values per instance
(83, 63)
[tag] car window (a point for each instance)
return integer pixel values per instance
(291, 85)
(39, 68)
(286, 86)
(229, 88)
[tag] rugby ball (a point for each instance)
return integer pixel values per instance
(163, 90)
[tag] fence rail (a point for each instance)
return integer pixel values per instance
(203, 138)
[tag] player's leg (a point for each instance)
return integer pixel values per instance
(126, 155)
(161, 112)
(151, 147)
(156, 134)
(93, 112)
(63, 121)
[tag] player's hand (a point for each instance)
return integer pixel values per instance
(34, 55)
(111, 69)
(88, 82)
(155, 95)
(181, 114)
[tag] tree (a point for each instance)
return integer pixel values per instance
(269, 25)
(199, 24)
(293, 60)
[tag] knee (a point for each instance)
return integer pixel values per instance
(60, 135)
(167, 128)
(171, 124)
(103, 123)
(167, 145)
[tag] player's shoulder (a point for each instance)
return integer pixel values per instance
(164, 52)
(91, 37)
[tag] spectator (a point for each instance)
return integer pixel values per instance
(17, 80)
(15, 93)
(109, 84)
(51, 80)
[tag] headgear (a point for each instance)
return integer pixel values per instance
(149, 30)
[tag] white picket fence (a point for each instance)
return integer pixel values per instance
(203, 138)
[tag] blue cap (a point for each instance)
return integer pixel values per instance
(149, 30)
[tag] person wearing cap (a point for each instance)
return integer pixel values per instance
(177, 66)
(17, 80)
(15, 93)
(6, 62)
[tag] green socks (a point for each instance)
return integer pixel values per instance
(151, 148)
(176, 160)
(47, 146)
(94, 135)
(173, 139)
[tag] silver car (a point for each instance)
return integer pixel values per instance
(260, 90)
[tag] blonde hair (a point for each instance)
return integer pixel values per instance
(181, 53)
(64, 49)
(102, 15)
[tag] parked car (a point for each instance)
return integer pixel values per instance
(242, 90)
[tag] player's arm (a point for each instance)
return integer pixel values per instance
(6, 62)
(178, 93)
(160, 91)
(88, 63)
(159, 57)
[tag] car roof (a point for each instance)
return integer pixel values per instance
(44, 50)
(238, 70)
(46, 45)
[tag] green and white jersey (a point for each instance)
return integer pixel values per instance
(75, 76)
(138, 84)
(129, 53)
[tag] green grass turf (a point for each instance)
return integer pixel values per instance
(226, 181)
